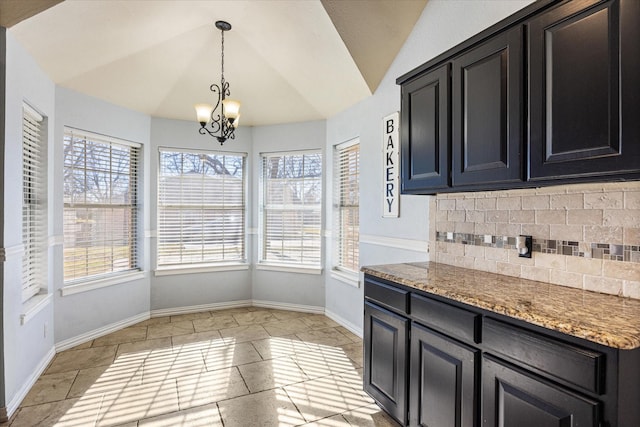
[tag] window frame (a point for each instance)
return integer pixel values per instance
(340, 269)
(231, 264)
(266, 262)
(134, 160)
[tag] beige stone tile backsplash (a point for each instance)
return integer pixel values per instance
(586, 214)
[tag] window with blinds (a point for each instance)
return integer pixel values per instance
(346, 205)
(201, 208)
(100, 205)
(34, 218)
(291, 202)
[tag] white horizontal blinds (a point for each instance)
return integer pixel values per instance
(347, 179)
(100, 205)
(201, 208)
(34, 219)
(292, 208)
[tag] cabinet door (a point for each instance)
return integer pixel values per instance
(386, 339)
(575, 91)
(424, 132)
(442, 382)
(487, 113)
(513, 398)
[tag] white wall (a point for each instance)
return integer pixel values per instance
(442, 25)
(84, 312)
(294, 289)
(190, 290)
(27, 349)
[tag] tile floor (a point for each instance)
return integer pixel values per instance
(237, 367)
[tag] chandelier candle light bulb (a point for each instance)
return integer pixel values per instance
(224, 124)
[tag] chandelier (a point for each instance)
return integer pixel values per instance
(224, 123)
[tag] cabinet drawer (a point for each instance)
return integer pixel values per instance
(451, 320)
(571, 364)
(386, 295)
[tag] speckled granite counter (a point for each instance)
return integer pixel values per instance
(600, 318)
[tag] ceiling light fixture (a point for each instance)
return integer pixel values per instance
(223, 124)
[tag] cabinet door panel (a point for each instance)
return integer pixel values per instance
(385, 352)
(575, 109)
(442, 381)
(425, 132)
(513, 398)
(487, 93)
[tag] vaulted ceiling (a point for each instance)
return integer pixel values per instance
(285, 60)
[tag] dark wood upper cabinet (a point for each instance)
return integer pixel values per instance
(487, 111)
(582, 115)
(549, 95)
(425, 131)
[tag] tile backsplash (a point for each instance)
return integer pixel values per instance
(584, 235)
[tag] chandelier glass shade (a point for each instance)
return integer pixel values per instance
(224, 116)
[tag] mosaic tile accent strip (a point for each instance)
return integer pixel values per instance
(607, 251)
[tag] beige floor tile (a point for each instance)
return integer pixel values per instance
(327, 361)
(81, 346)
(281, 328)
(136, 402)
(224, 355)
(82, 359)
(162, 365)
(228, 311)
(244, 333)
(370, 416)
(325, 397)
(215, 323)
(287, 314)
(355, 352)
(50, 388)
(272, 373)
(319, 321)
(326, 337)
(143, 348)
(280, 346)
(210, 387)
(334, 421)
(130, 334)
(191, 316)
(257, 317)
(201, 339)
(353, 337)
(107, 379)
(267, 408)
(66, 413)
(203, 416)
(170, 329)
(154, 321)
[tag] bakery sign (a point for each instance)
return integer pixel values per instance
(391, 165)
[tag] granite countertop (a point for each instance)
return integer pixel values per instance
(604, 319)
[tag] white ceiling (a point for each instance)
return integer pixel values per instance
(285, 60)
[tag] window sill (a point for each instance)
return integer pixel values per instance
(303, 269)
(100, 283)
(203, 268)
(34, 306)
(350, 278)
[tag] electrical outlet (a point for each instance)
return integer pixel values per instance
(487, 238)
(449, 235)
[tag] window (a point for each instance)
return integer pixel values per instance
(100, 205)
(346, 203)
(201, 208)
(291, 202)
(34, 218)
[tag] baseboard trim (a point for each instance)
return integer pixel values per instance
(287, 306)
(97, 333)
(343, 322)
(175, 311)
(14, 403)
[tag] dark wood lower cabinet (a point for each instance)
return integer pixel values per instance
(385, 354)
(442, 385)
(512, 398)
